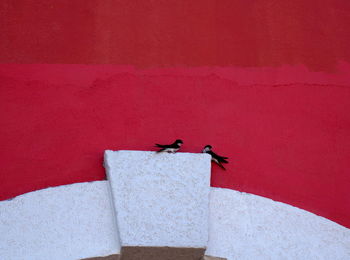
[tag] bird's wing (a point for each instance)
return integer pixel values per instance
(211, 153)
(173, 145)
(162, 145)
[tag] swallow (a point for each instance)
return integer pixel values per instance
(170, 148)
(219, 160)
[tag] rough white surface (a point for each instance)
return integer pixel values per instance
(161, 199)
(66, 222)
(247, 227)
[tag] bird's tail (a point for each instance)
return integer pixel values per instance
(221, 166)
(223, 161)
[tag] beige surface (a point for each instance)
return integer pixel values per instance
(158, 253)
(161, 253)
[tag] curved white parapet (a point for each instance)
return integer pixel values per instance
(67, 222)
(245, 227)
(161, 199)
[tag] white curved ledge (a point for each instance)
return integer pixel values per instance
(245, 226)
(66, 222)
(77, 221)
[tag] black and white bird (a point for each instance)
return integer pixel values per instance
(170, 148)
(219, 160)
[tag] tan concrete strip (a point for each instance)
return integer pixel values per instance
(161, 253)
(207, 257)
(110, 257)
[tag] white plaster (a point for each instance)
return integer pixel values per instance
(161, 199)
(246, 227)
(66, 222)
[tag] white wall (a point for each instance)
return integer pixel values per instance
(160, 199)
(248, 227)
(64, 223)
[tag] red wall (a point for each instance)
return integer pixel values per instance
(265, 82)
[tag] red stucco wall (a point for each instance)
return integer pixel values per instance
(265, 82)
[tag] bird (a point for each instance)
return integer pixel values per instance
(170, 148)
(219, 160)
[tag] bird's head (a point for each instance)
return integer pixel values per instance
(207, 148)
(179, 142)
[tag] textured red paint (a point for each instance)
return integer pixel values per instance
(287, 141)
(158, 33)
(256, 97)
